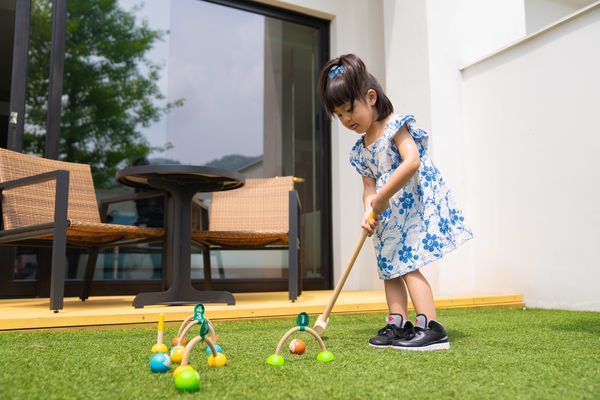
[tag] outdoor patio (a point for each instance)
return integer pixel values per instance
(146, 103)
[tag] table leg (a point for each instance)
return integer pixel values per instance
(178, 263)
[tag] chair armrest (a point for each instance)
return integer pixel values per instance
(61, 197)
(295, 202)
(32, 180)
(105, 203)
(295, 213)
(294, 240)
(199, 215)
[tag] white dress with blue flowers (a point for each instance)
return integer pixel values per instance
(422, 223)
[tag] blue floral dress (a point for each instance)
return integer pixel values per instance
(422, 223)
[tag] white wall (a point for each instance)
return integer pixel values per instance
(459, 31)
(532, 136)
(541, 13)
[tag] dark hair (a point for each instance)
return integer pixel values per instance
(345, 79)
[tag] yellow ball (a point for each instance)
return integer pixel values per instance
(182, 368)
(217, 361)
(160, 348)
(177, 354)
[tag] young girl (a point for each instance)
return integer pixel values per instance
(417, 221)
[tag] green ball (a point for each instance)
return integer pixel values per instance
(187, 380)
(325, 356)
(275, 360)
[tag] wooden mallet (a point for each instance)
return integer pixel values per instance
(323, 319)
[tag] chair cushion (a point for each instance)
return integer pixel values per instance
(98, 233)
(241, 238)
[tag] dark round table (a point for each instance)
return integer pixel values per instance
(181, 183)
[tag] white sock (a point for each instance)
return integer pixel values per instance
(395, 319)
(421, 321)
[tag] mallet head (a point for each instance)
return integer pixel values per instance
(321, 324)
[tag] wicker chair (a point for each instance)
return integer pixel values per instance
(264, 214)
(47, 202)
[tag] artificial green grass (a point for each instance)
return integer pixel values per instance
(495, 354)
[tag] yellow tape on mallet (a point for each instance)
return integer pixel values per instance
(160, 347)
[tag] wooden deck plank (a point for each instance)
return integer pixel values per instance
(117, 310)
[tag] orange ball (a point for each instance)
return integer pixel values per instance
(176, 339)
(297, 346)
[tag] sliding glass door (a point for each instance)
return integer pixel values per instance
(230, 84)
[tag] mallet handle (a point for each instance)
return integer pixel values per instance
(342, 281)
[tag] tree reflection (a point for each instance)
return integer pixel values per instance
(110, 89)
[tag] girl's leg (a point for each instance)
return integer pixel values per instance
(431, 335)
(396, 297)
(420, 294)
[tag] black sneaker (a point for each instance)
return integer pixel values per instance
(389, 333)
(432, 337)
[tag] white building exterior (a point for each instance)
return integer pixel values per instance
(516, 134)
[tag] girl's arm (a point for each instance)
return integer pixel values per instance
(410, 164)
(369, 194)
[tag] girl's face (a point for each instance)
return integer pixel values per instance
(358, 117)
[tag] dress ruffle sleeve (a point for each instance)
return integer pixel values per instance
(420, 136)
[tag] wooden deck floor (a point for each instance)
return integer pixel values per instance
(118, 311)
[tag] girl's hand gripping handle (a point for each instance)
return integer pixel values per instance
(369, 222)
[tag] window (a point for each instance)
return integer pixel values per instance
(230, 84)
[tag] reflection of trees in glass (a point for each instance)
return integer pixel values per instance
(233, 162)
(110, 88)
(162, 161)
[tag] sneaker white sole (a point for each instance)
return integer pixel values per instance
(379, 347)
(431, 347)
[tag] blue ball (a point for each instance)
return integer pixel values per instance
(217, 347)
(160, 362)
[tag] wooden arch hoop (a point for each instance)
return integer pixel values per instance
(196, 340)
(290, 332)
(186, 326)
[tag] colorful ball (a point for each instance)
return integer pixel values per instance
(276, 360)
(325, 356)
(217, 348)
(160, 362)
(217, 361)
(187, 380)
(177, 354)
(160, 348)
(176, 339)
(297, 346)
(180, 369)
